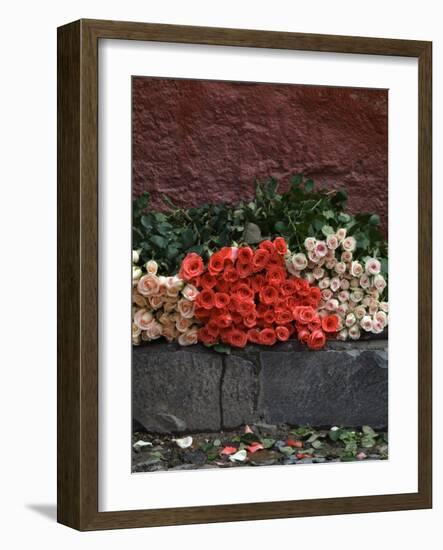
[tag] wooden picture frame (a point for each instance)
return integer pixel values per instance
(78, 274)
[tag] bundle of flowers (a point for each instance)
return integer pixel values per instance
(247, 295)
(352, 289)
(162, 306)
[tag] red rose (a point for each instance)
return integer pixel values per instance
(244, 292)
(245, 308)
(204, 336)
(223, 320)
(243, 269)
(238, 338)
(304, 314)
(315, 293)
(282, 333)
(228, 253)
(237, 318)
(201, 313)
(303, 335)
(207, 281)
(245, 255)
(216, 263)
(316, 340)
(269, 317)
(330, 323)
(260, 259)
(213, 328)
(261, 309)
(315, 324)
(223, 286)
(303, 287)
(230, 275)
(192, 266)
(267, 245)
(275, 261)
(283, 316)
(253, 336)
(250, 320)
(280, 245)
(276, 276)
(257, 282)
(221, 300)
(205, 299)
(268, 294)
(288, 287)
(267, 337)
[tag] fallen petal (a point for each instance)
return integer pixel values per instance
(240, 456)
(361, 456)
(228, 450)
(141, 445)
(294, 443)
(184, 442)
(248, 430)
(254, 447)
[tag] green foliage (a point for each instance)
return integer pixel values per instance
(295, 214)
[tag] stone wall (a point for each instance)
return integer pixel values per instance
(177, 389)
(201, 141)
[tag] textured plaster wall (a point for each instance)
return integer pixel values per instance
(201, 141)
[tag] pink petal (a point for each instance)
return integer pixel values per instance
(248, 430)
(254, 447)
(228, 451)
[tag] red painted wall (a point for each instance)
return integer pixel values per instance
(201, 141)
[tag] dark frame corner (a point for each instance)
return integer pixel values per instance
(77, 383)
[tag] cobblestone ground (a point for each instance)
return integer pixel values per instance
(257, 445)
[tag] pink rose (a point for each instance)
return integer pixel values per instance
(346, 256)
(379, 282)
(341, 233)
(183, 324)
(155, 301)
(310, 243)
(326, 294)
(340, 268)
(190, 292)
(151, 267)
(318, 272)
(148, 285)
(366, 323)
(372, 266)
(349, 244)
(332, 242)
(153, 331)
(356, 269)
(350, 320)
(186, 308)
(189, 337)
(138, 299)
(321, 249)
(324, 283)
(354, 332)
(335, 284)
(143, 318)
(332, 305)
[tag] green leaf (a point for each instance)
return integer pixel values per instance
(368, 431)
(280, 227)
(374, 219)
(187, 238)
(327, 230)
(296, 180)
(309, 186)
(146, 221)
(161, 242)
(252, 234)
(268, 442)
(317, 444)
(222, 348)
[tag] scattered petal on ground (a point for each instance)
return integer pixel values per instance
(240, 456)
(184, 442)
(254, 447)
(228, 450)
(294, 443)
(140, 445)
(248, 430)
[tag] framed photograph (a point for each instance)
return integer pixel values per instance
(244, 274)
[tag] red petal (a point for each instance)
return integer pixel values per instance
(294, 443)
(228, 450)
(254, 447)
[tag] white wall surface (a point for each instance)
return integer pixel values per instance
(28, 270)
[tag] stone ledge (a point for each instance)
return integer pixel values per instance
(177, 389)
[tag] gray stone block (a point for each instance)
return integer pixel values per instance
(240, 387)
(176, 390)
(346, 387)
